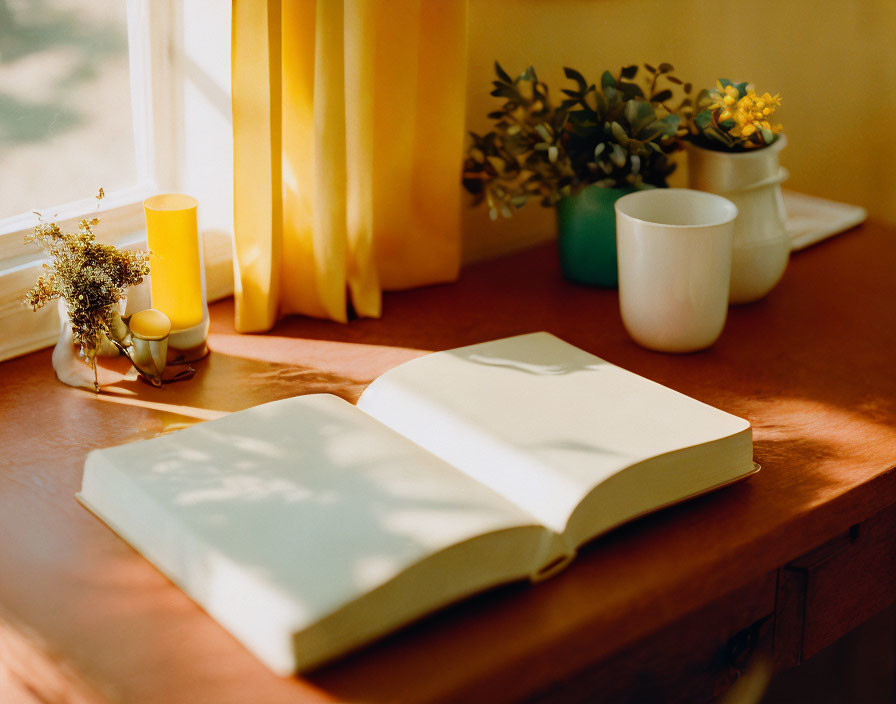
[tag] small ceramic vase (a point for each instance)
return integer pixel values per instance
(752, 181)
(68, 364)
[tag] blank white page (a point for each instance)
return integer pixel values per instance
(539, 420)
(274, 517)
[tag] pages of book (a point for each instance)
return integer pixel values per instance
(275, 518)
(543, 422)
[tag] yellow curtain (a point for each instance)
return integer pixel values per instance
(348, 120)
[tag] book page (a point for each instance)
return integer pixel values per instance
(299, 506)
(539, 420)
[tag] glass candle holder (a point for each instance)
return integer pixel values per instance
(149, 337)
(176, 276)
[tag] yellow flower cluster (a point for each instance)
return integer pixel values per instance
(749, 113)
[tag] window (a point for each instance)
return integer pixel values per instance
(85, 101)
(65, 109)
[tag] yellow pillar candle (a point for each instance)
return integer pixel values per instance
(173, 236)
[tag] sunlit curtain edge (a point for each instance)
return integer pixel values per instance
(340, 219)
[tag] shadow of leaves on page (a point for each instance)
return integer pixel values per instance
(322, 510)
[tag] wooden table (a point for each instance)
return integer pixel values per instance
(670, 606)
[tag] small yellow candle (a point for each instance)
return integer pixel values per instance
(172, 233)
(150, 324)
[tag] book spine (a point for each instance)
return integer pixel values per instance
(553, 557)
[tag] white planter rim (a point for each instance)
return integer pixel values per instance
(778, 144)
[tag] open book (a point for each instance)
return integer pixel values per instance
(309, 526)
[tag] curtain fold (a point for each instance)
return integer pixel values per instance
(348, 121)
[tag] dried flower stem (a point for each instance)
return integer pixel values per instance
(90, 276)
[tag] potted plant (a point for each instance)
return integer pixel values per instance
(580, 156)
(733, 149)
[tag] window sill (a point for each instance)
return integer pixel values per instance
(26, 330)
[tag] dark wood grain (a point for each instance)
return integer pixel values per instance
(832, 589)
(811, 366)
(694, 659)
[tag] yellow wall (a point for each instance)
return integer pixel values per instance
(832, 61)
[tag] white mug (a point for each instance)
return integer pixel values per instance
(674, 248)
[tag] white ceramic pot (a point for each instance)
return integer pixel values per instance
(752, 181)
(674, 247)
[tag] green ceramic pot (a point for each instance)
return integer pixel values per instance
(586, 235)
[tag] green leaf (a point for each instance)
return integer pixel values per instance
(671, 122)
(574, 75)
(506, 91)
(715, 133)
(662, 96)
(741, 89)
(528, 75)
(703, 120)
(630, 90)
(638, 113)
(619, 133)
(502, 74)
(607, 80)
(767, 135)
(651, 131)
(617, 156)
(629, 71)
(650, 68)
(725, 82)
(613, 97)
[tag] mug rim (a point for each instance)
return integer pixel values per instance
(733, 211)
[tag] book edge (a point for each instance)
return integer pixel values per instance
(279, 665)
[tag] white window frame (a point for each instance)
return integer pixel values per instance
(154, 105)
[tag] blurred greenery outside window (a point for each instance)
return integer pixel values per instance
(66, 123)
